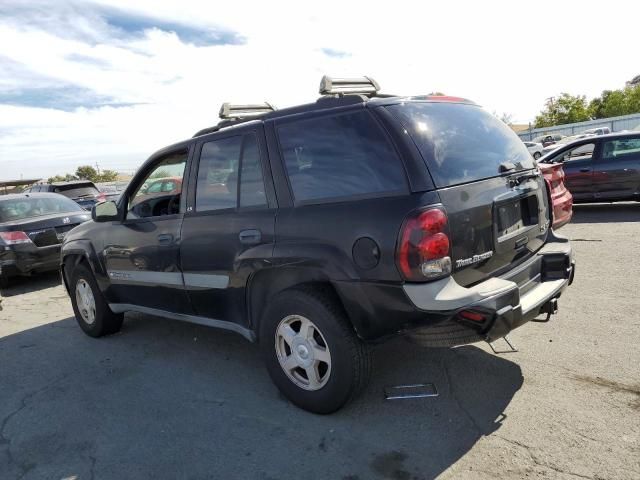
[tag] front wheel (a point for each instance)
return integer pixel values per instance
(91, 310)
(311, 351)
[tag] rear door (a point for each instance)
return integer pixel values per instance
(494, 197)
(228, 231)
(616, 171)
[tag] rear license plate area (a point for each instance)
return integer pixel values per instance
(516, 214)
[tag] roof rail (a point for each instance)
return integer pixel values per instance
(361, 85)
(230, 111)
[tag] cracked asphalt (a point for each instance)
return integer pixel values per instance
(170, 400)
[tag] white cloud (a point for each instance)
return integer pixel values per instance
(507, 56)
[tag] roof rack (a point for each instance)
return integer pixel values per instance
(341, 86)
(230, 111)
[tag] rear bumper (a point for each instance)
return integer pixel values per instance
(505, 303)
(29, 259)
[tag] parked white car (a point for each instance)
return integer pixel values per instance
(597, 131)
(535, 149)
(583, 150)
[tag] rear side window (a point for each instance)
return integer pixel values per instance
(220, 162)
(339, 156)
(461, 143)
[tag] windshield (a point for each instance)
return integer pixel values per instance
(77, 191)
(29, 207)
(462, 143)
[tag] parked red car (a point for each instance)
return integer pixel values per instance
(561, 198)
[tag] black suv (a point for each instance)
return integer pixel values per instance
(319, 229)
(83, 192)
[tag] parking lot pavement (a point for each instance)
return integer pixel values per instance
(170, 400)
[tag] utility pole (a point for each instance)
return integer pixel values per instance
(98, 168)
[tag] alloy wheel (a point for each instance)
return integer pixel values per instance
(303, 352)
(86, 301)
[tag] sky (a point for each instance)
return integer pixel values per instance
(109, 83)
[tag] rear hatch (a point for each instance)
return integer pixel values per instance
(84, 194)
(489, 185)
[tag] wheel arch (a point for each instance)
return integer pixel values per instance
(267, 283)
(76, 252)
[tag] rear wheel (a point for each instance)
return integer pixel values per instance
(92, 312)
(311, 351)
(537, 155)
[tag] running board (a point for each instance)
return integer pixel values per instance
(207, 322)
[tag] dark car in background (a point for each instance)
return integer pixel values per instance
(603, 168)
(83, 192)
(319, 229)
(32, 227)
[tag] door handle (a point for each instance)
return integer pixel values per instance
(250, 237)
(585, 170)
(165, 239)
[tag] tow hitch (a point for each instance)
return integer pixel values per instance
(550, 308)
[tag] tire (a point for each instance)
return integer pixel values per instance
(349, 361)
(4, 282)
(536, 155)
(105, 322)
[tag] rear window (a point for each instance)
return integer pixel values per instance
(338, 157)
(76, 191)
(25, 207)
(461, 143)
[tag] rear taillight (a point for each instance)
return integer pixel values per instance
(14, 238)
(423, 246)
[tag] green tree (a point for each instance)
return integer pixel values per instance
(108, 176)
(87, 172)
(60, 178)
(633, 98)
(613, 103)
(564, 109)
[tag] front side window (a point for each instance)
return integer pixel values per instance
(339, 156)
(576, 153)
(225, 164)
(149, 199)
(623, 148)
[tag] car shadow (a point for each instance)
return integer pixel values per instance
(33, 283)
(606, 212)
(165, 399)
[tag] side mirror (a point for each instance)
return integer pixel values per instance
(105, 211)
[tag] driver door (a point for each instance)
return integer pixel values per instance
(141, 252)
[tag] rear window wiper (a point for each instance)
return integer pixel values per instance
(507, 167)
(514, 182)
